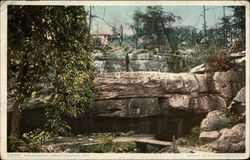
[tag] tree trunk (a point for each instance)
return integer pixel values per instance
(167, 36)
(158, 36)
(16, 121)
(16, 114)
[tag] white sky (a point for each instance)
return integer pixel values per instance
(122, 15)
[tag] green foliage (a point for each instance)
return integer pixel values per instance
(185, 36)
(35, 139)
(31, 142)
(219, 126)
(105, 137)
(18, 146)
(179, 64)
(55, 124)
(196, 131)
(238, 21)
(193, 137)
(114, 147)
(106, 144)
(53, 44)
(148, 25)
(214, 58)
(233, 118)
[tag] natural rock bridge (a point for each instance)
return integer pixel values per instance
(140, 94)
(157, 103)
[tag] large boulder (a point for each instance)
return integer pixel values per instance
(215, 120)
(228, 83)
(209, 136)
(129, 108)
(231, 140)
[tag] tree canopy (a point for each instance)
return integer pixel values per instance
(49, 46)
(153, 25)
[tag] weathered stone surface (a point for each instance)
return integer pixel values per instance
(155, 84)
(196, 103)
(199, 69)
(31, 103)
(241, 95)
(133, 107)
(215, 120)
(109, 62)
(228, 83)
(238, 105)
(147, 62)
(238, 54)
(137, 61)
(209, 136)
(232, 140)
(186, 91)
(146, 84)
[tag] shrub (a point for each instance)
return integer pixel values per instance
(105, 137)
(35, 139)
(114, 147)
(31, 142)
(105, 144)
(179, 64)
(218, 60)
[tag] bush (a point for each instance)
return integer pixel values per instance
(105, 137)
(113, 147)
(31, 142)
(18, 146)
(179, 64)
(218, 60)
(215, 59)
(107, 145)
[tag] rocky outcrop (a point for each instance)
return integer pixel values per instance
(227, 84)
(147, 62)
(231, 140)
(137, 60)
(186, 91)
(238, 106)
(235, 60)
(109, 62)
(131, 94)
(195, 103)
(155, 84)
(148, 84)
(215, 120)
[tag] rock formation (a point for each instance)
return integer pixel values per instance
(134, 61)
(231, 140)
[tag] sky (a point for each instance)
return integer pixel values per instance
(122, 15)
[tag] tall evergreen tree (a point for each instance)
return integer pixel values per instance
(154, 25)
(238, 21)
